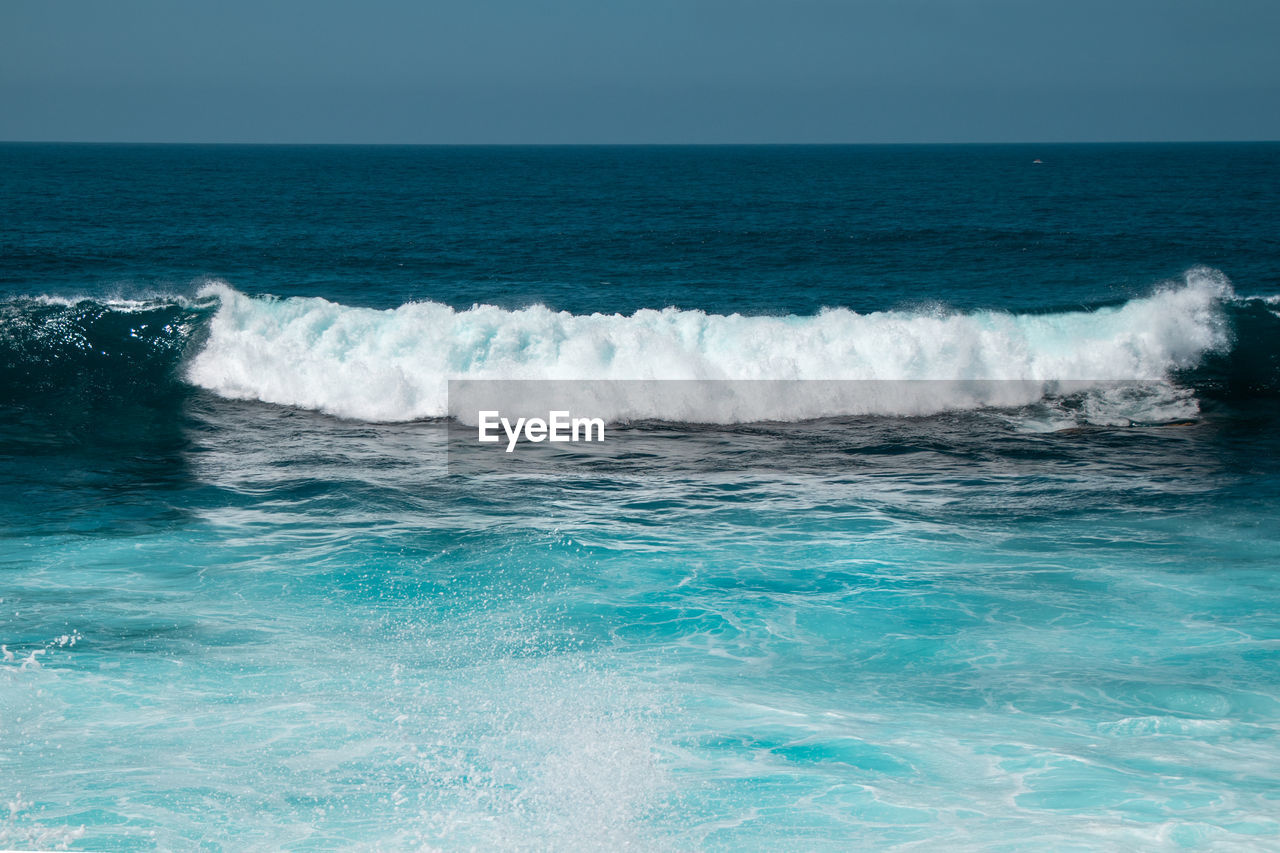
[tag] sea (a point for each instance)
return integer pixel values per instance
(939, 507)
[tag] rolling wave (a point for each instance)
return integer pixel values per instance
(394, 365)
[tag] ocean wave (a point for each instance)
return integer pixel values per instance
(393, 365)
(1187, 339)
(88, 351)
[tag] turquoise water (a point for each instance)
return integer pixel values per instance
(248, 601)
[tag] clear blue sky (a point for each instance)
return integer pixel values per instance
(592, 71)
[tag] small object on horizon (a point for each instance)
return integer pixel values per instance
(1037, 160)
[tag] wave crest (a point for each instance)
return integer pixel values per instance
(393, 365)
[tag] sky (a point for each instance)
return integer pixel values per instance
(648, 71)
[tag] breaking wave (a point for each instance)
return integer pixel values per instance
(394, 365)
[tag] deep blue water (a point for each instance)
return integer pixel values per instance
(757, 229)
(250, 600)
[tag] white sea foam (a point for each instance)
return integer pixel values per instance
(394, 365)
(119, 304)
(1272, 303)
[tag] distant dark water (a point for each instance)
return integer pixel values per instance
(748, 229)
(244, 603)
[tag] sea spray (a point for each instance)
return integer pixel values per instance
(394, 365)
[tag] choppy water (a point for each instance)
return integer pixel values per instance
(247, 603)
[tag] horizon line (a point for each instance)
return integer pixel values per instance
(295, 144)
